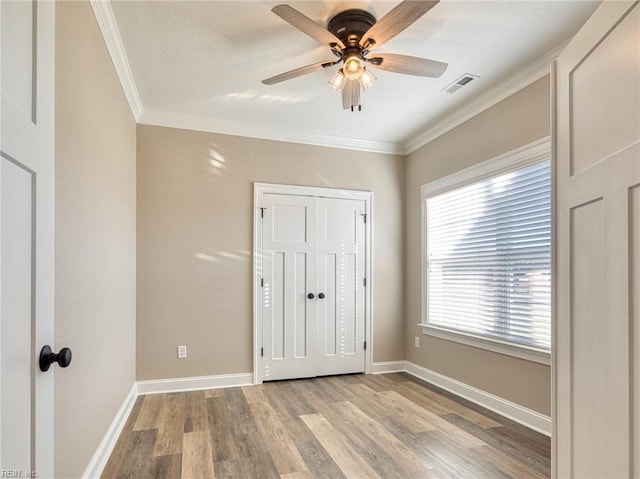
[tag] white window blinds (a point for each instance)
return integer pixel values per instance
(489, 257)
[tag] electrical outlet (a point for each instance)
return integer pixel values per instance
(182, 352)
(416, 341)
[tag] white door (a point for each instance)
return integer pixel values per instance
(288, 275)
(340, 279)
(312, 283)
(26, 236)
(597, 331)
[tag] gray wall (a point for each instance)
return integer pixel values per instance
(195, 200)
(95, 239)
(515, 121)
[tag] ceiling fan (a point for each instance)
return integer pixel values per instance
(352, 35)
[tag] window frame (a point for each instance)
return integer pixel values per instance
(529, 154)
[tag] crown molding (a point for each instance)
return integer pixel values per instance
(264, 132)
(522, 78)
(109, 28)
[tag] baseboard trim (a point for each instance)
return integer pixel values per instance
(101, 456)
(105, 448)
(385, 367)
(526, 417)
(157, 386)
(520, 414)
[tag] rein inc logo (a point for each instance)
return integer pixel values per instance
(17, 473)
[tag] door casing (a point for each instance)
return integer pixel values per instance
(259, 190)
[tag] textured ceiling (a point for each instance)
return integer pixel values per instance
(207, 59)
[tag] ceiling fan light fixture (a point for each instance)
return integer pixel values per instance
(351, 35)
(353, 67)
(338, 80)
(366, 79)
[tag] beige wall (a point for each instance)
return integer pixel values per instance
(189, 209)
(95, 239)
(194, 240)
(516, 121)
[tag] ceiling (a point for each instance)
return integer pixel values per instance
(201, 63)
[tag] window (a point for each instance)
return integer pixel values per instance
(488, 254)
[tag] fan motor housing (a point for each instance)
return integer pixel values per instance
(350, 25)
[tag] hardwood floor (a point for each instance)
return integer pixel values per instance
(354, 426)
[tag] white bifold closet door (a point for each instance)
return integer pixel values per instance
(313, 297)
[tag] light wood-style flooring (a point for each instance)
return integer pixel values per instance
(354, 426)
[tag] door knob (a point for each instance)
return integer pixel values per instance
(48, 357)
(311, 296)
(321, 295)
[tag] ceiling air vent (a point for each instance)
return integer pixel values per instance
(459, 83)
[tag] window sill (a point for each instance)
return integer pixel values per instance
(522, 352)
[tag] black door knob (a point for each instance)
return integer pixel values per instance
(311, 296)
(321, 295)
(48, 357)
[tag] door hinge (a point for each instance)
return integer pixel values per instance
(262, 212)
(364, 216)
(262, 352)
(262, 282)
(365, 345)
(365, 282)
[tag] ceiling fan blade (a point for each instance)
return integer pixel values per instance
(396, 20)
(298, 72)
(408, 65)
(351, 94)
(306, 25)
